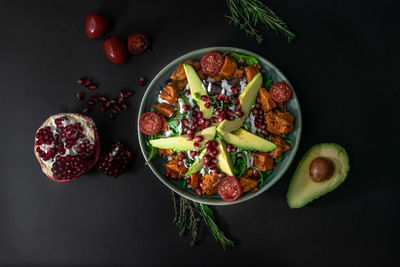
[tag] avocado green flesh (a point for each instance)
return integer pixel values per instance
(248, 141)
(180, 143)
(197, 164)
(197, 90)
(303, 189)
(247, 99)
(224, 160)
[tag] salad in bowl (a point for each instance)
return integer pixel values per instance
(220, 125)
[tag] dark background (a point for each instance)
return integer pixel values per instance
(343, 66)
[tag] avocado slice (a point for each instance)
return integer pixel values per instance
(303, 189)
(247, 99)
(197, 90)
(180, 143)
(248, 141)
(224, 160)
(197, 164)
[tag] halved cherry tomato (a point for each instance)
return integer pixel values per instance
(229, 189)
(280, 92)
(96, 25)
(150, 123)
(137, 43)
(115, 49)
(211, 63)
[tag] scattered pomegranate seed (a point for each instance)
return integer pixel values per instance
(222, 116)
(196, 146)
(207, 105)
(187, 92)
(95, 99)
(199, 191)
(124, 106)
(239, 155)
(90, 102)
(185, 107)
(256, 173)
(111, 116)
(238, 107)
(142, 81)
(198, 138)
(265, 132)
(86, 83)
(114, 111)
(204, 98)
(229, 148)
(236, 101)
(185, 130)
(87, 110)
(103, 107)
(220, 97)
(92, 86)
(239, 113)
(185, 122)
(180, 162)
(168, 174)
(182, 155)
(190, 137)
(80, 96)
(128, 94)
(196, 108)
(115, 160)
(207, 123)
(188, 180)
(121, 100)
(217, 111)
(193, 153)
(80, 81)
(234, 90)
(214, 119)
(258, 105)
(227, 99)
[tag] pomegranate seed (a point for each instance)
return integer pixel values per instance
(185, 122)
(259, 130)
(90, 102)
(86, 83)
(214, 152)
(213, 166)
(217, 111)
(124, 106)
(185, 107)
(121, 100)
(80, 81)
(127, 94)
(216, 170)
(207, 123)
(214, 160)
(259, 124)
(199, 191)
(239, 113)
(236, 101)
(238, 107)
(188, 180)
(80, 96)
(256, 173)
(222, 116)
(239, 155)
(185, 130)
(142, 81)
(182, 155)
(196, 146)
(190, 131)
(206, 158)
(258, 105)
(234, 90)
(214, 119)
(86, 110)
(198, 138)
(204, 98)
(187, 92)
(196, 108)
(102, 98)
(265, 132)
(205, 165)
(207, 105)
(229, 148)
(221, 175)
(190, 137)
(168, 174)
(202, 120)
(111, 116)
(95, 99)
(195, 119)
(254, 111)
(220, 97)
(180, 162)
(92, 86)
(193, 126)
(193, 153)
(114, 111)
(226, 99)
(200, 114)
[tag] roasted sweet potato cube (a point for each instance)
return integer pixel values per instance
(228, 68)
(248, 184)
(176, 169)
(164, 126)
(239, 73)
(281, 146)
(279, 122)
(165, 152)
(251, 71)
(170, 94)
(165, 109)
(179, 73)
(263, 161)
(179, 84)
(195, 64)
(209, 183)
(265, 99)
(195, 179)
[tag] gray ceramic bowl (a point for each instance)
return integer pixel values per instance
(156, 164)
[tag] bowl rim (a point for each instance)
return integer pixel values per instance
(184, 193)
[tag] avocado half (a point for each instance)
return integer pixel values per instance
(302, 189)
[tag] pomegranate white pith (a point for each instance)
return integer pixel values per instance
(66, 146)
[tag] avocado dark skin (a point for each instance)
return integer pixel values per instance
(321, 169)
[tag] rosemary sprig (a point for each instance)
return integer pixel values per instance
(247, 13)
(188, 215)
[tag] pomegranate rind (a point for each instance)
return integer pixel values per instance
(46, 168)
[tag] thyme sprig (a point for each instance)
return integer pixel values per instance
(188, 216)
(247, 13)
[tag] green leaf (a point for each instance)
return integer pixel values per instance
(278, 159)
(268, 82)
(250, 60)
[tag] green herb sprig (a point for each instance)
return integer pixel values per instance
(247, 13)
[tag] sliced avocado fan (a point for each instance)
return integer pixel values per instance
(303, 189)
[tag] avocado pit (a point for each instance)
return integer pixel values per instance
(321, 169)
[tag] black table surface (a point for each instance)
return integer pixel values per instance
(344, 66)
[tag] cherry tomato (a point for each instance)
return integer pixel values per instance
(211, 63)
(280, 92)
(150, 123)
(96, 25)
(137, 43)
(115, 49)
(229, 189)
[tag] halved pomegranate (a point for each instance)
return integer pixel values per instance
(66, 146)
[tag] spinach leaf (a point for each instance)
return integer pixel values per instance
(250, 60)
(152, 151)
(173, 126)
(247, 126)
(239, 164)
(268, 82)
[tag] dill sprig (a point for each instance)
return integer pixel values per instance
(247, 13)
(189, 214)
